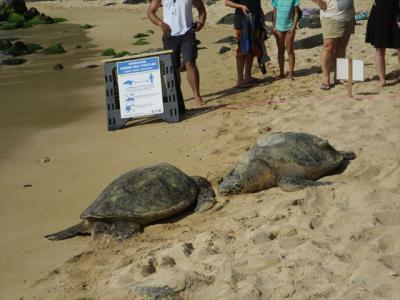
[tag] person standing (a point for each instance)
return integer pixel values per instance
(248, 46)
(337, 22)
(285, 18)
(383, 31)
(179, 35)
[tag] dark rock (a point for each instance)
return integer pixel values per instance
(54, 49)
(5, 45)
(121, 54)
(18, 49)
(78, 47)
(310, 19)
(58, 67)
(229, 40)
(228, 19)
(19, 6)
(13, 61)
(150, 31)
(224, 50)
(110, 4)
(309, 42)
(31, 13)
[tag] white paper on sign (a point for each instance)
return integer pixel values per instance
(342, 69)
(139, 86)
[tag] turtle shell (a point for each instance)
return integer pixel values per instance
(144, 195)
(293, 154)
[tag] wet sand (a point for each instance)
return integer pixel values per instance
(61, 115)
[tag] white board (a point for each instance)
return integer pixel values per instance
(342, 69)
(139, 86)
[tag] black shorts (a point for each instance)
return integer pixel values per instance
(184, 45)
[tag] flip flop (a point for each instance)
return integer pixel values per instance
(325, 87)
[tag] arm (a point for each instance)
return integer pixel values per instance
(321, 3)
(296, 19)
(232, 4)
(199, 5)
(151, 14)
(274, 20)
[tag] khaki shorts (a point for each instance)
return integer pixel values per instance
(332, 28)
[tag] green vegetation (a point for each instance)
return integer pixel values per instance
(86, 26)
(13, 61)
(109, 52)
(54, 49)
(140, 35)
(121, 54)
(141, 42)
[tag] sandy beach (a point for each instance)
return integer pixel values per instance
(339, 241)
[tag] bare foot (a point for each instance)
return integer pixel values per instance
(242, 84)
(199, 101)
(382, 84)
(280, 76)
(289, 75)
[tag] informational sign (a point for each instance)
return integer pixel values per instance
(343, 70)
(139, 85)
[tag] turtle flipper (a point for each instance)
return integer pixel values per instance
(295, 183)
(70, 232)
(206, 195)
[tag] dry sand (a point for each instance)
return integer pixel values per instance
(339, 241)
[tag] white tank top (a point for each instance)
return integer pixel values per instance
(178, 15)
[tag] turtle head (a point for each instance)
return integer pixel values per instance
(231, 184)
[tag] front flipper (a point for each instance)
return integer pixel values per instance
(206, 195)
(295, 183)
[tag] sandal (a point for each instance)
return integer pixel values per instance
(325, 87)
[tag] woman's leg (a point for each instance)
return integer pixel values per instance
(327, 59)
(289, 39)
(381, 64)
(280, 42)
(341, 46)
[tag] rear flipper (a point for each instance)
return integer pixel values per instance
(295, 183)
(206, 196)
(70, 232)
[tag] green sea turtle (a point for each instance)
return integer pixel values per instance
(289, 160)
(140, 197)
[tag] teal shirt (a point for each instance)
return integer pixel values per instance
(284, 13)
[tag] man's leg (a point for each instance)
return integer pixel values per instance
(193, 77)
(247, 69)
(289, 40)
(327, 60)
(381, 64)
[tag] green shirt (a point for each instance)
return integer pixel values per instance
(284, 13)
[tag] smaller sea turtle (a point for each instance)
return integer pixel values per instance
(289, 160)
(140, 197)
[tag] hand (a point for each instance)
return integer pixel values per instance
(244, 9)
(274, 31)
(199, 26)
(165, 29)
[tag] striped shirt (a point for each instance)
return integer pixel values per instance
(284, 13)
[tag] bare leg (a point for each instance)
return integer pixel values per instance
(289, 39)
(380, 65)
(327, 59)
(341, 46)
(280, 42)
(247, 69)
(240, 62)
(193, 77)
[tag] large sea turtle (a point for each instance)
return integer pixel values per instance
(289, 160)
(140, 197)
